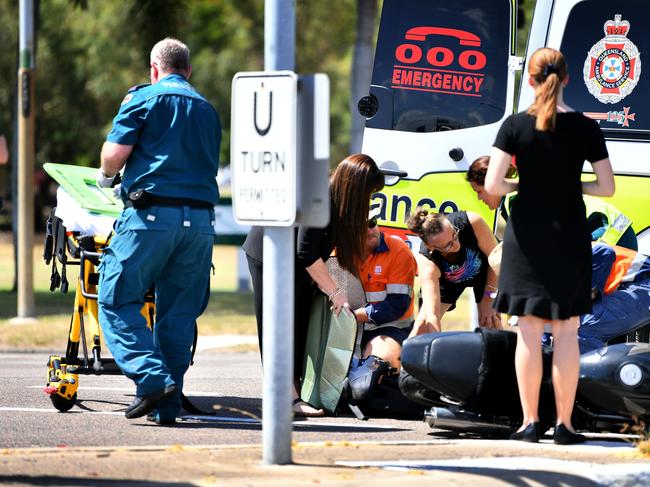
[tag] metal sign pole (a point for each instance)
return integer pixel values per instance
(278, 287)
(25, 203)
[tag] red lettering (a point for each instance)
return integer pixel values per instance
(446, 81)
(456, 83)
(426, 78)
(467, 84)
(477, 84)
(433, 56)
(396, 73)
(473, 60)
(417, 78)
(407, 77)
(408, 53)
(436, 80)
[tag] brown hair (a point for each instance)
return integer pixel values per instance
(478, 169)
(352, 184)
(426, 224)
(172, 56)
(549, 69)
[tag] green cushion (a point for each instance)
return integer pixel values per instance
(330, 344)
(79, 182)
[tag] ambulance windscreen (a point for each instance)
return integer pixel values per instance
(441, 65)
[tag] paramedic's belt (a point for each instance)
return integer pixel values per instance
(141, 200)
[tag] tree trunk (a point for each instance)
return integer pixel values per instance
(361, 71)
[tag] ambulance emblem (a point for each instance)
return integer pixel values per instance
(613, 65)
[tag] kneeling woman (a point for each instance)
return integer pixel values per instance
(453, 256)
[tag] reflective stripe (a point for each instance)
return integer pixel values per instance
(617, 222)
(378, 296)
(621, 223)
(399, 289)
(635, 267)
(405, 323)
(375, 297)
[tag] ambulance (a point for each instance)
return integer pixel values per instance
(444, 79)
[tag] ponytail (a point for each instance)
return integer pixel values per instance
(426, 224)
(548, 69)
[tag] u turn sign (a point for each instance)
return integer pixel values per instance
(263, 148)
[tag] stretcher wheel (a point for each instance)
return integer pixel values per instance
(63, 404)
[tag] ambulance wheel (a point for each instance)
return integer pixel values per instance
(63, 404)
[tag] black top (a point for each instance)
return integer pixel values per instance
(468, 267)
(314, 244)
(253, 245)
(311, 244)
(546, 266)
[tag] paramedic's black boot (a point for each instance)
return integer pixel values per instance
(143, 405)
(156, 418)
(366, 376)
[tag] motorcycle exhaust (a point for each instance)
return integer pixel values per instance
(446, 419)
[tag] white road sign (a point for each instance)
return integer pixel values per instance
(263, 148)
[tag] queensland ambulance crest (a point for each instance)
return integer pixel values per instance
(613, 65)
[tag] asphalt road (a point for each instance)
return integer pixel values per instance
(95, 439)
(230, 384)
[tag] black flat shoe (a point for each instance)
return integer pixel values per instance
(143, 405)
(563, 436)
(530, 433)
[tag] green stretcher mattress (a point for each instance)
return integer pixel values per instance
(79, 183)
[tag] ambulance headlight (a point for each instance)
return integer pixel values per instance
(368, 106)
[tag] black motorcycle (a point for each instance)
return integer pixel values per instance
(467, 381)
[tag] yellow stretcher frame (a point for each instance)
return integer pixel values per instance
(63, 371)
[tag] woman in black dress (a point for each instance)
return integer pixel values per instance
(547, 280)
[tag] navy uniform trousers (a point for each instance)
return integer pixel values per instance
(170, 248)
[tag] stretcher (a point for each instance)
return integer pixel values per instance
(78, 230)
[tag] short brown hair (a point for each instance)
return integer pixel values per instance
(478, 169)
(171, 55)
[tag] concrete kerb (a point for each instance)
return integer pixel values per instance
(461, 462)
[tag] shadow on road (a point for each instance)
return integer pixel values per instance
(71, 481)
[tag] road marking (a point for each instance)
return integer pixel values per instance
(629, 473)
(53, 410)
(189, 394)
(302, 424)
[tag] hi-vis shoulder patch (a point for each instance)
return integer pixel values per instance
(613, 65)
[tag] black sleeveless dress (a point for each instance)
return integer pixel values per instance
(546, 265)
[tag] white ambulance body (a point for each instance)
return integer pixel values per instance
(444, 80)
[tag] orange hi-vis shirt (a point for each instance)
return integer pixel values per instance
(387, 276)
(627, 264)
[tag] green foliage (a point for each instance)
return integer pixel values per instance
(89, 52)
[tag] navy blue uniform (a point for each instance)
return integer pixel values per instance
(175, 134)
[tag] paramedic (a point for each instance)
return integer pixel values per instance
(453, 256)
(607, 224)
(387, 275)
(166, 136)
